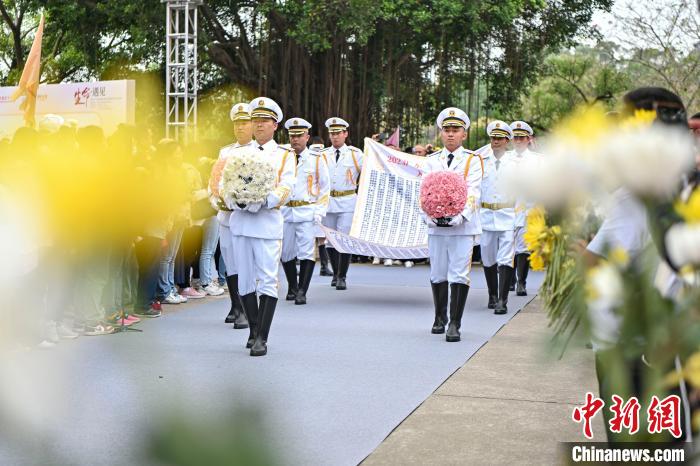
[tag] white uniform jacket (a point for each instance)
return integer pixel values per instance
(469, 165)
(311, 191)
(497, 210)
(267, 223)
(344, 176)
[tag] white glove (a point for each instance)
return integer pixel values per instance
(458, 220)
(272, 200)
(254, 207)
(318, 219)
(428, 220)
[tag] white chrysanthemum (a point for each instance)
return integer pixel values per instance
(683, 244)
(552, 180)
(247, 178)
(647, 161)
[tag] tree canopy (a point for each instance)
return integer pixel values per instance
(377, 63)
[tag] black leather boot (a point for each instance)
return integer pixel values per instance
(458, 300)
(333, 254)
(324, 259)
(305, 273)
(491, 274)
(267, 312)
(440, 302)
(290, 271)
(522, 265)
(343, 266)
(512, 282)
(250, 306)
(236, 316)
(504, 275)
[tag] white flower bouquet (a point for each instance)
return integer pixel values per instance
(247, 178)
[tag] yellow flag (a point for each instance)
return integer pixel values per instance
(29, 82)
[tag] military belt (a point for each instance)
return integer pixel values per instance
(298, 203)
(497, 205)
(342, 193)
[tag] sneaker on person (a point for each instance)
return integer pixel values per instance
(132, 318)
(156, 305)
(65, 332)
(151, 312)
(212, 290)
(98, 329)
(388, 262)
(408, 264)
(376, 261)
(191, 293)
(173, 298)
(397, 262)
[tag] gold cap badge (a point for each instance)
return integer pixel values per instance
(261, 102)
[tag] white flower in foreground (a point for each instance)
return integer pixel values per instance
(647, 161)
(247, 178)
(605, 286)
(683, 244)
(553, 180)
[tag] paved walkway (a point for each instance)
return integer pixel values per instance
(511, 404)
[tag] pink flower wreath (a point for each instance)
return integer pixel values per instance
(443, 194)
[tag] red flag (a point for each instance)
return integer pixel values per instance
(29, 82)
(393, 139)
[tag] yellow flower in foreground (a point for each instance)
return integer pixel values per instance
(641, 119)
(690, 372)
(690, 211)
(536, 227)
(536, 262)
(618, 256)
(584, 126)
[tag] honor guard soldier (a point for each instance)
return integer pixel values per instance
(522, 137)
(257, 228)
(497, 218)
(344, 166)
(305, 209)
(451, 247)
(243, 129)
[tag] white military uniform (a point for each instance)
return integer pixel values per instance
(451, 247)
(306, 207)
(344, 166)
(257, 236)
(224, 218)
(497, 210)
(239, 111)
(522, 207)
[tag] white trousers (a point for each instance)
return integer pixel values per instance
(226, 245)
(450, 258)
(520, 246)
(497, 248)
(258, 263)
(339, 221)
(299, 241)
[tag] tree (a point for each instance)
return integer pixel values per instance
(585, 76)
(661, 46)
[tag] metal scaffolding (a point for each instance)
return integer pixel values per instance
(181, 69)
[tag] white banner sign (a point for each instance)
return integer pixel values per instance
(102, 103)
(387, 220)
